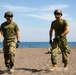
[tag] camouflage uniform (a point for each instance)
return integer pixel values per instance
(59, 27)
(9, 45)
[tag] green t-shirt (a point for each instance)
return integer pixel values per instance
(9, 30)
(59, 26)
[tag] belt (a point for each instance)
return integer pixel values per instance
(9, 38)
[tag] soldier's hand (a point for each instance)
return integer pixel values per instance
(50, 41)
(59, 37)
(17, 44)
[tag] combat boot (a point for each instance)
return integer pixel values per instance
(12, 70)
(65, 64)
(54, 67)
(65, 67)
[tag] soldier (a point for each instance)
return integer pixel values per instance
(61, 28)
(10, 31)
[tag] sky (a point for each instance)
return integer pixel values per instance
(34, 17)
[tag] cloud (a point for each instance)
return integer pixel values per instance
(48, 16)
(53, 7)
(44, 16)
(17, 8)
(27, 9)
(39, 13)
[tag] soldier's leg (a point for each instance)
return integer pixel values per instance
(64, 56)
(12, 49)
(6, 58)
(64, 48)
(54, 54)
(6, 53)
(54, 58)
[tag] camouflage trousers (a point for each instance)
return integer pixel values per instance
(62, 44)
(9, 48)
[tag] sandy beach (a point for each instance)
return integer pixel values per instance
(35, 61)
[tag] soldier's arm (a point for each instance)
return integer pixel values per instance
(18, 35)
(66, 31)
(0, 33)
(50, 33)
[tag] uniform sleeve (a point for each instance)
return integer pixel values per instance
(16, 28)
(65, 23)
(52, 25)
(0, 28)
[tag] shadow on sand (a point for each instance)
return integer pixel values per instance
(28, 69)
(2, 72)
